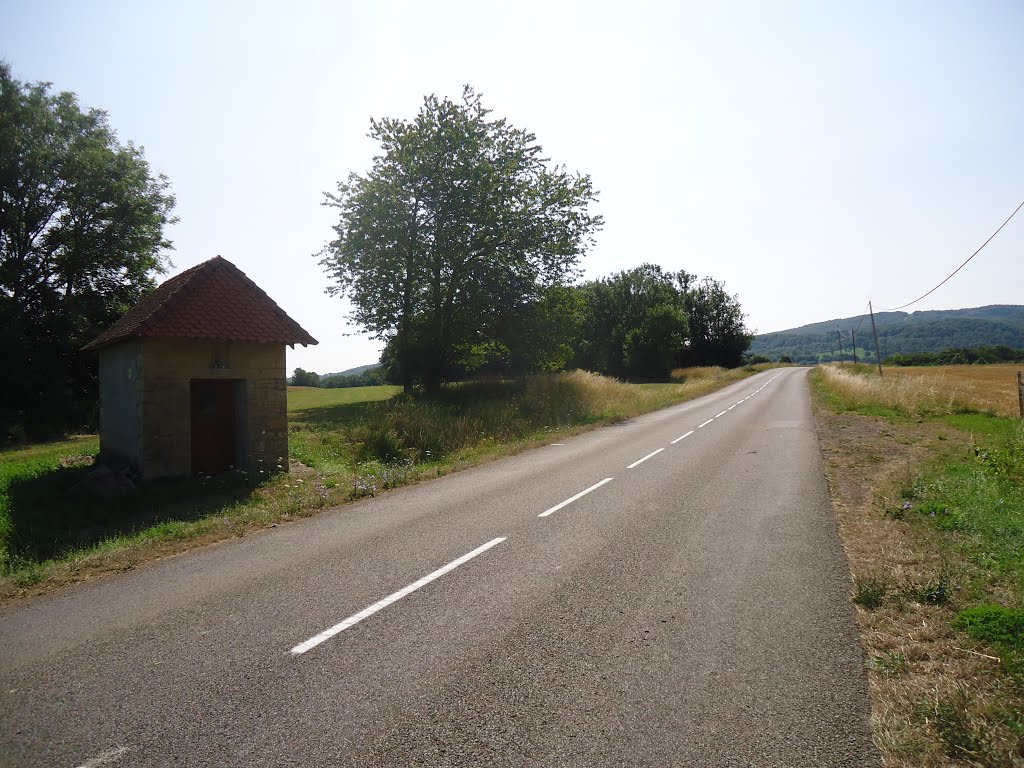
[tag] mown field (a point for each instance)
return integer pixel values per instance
(926, 470)
(344, 444)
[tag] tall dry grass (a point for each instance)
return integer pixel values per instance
(930, 390)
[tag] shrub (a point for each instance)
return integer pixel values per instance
(993, 624)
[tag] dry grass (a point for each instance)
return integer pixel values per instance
(930, 390)
(938, 698)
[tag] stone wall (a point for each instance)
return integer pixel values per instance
(170, 364)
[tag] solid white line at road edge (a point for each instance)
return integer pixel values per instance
(355, 618)
(579, 495)
(638, 462)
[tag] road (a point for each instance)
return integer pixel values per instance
(688, 606)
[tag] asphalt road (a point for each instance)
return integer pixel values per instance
(692, 610)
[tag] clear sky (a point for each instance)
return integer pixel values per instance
(812, 155)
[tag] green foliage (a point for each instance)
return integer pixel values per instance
(81, 234)
(459, 226)
(643, 322)
(891, 664)
(870, 592)
(373, 376)
(651, 349)
(993, 624)
(961, 356)
(961, 738)
(631, 319)
(303, 378)
(934, 592)
(718, 335)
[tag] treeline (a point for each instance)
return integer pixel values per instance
(898, 334)
(961, 356)
(371, 377)
(637, 324)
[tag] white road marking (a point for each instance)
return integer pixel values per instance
(638, 462)
(719, 415)
(558, 443)
(355, 618)
(733, 406)
(699, 426)
(579, 495)
(682, 437)
(105, 758)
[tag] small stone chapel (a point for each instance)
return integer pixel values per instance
(193, 380)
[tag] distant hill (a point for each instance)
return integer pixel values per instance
(898, 333)
(352, 371)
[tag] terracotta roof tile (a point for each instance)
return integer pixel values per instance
(212, 300)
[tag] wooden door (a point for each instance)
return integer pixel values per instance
(214, 425)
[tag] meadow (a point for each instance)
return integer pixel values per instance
(926, 470)
(344, 444)
(930, 390)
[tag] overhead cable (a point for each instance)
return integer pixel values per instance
(933, 290)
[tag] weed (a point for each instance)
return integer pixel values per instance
(891, 664)
(935, 592)
(951, 722)
(870, 592)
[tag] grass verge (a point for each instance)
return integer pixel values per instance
(928, 486)
(345, 444)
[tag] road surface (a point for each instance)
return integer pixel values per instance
(667, 591)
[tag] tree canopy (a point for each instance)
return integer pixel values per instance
(643, 322)
(81, 235)
(456, 234)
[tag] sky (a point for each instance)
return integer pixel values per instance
(813, 156)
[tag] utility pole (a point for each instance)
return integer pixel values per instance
(840, 335)
(853, 336)
(878, 352)
(1020, 393)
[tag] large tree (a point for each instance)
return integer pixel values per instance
(459, 225)
(635, 322)
(81, 236)
(718, 331)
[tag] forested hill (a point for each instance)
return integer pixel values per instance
(898, 332)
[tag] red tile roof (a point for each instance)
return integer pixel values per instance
(212, 300)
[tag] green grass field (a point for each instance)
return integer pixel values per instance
(304, 398)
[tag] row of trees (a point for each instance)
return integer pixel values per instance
(459, 249)
(960, 356)
(371, 377)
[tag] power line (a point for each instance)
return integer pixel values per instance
(933, 290)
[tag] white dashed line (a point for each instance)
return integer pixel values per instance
(638, 462)
(355, 618)
(700, 426)
(720, 415)
(105, 758)
(579, 495)
(682, 437)
(732, 406)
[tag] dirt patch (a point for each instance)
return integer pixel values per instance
(935, 700)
